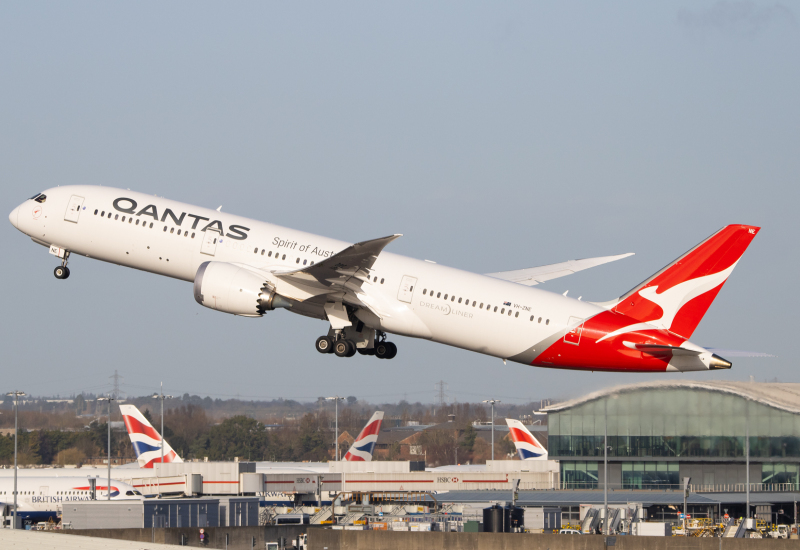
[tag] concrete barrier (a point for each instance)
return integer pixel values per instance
(320, 539)
(239, 538)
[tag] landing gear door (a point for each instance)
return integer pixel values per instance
(406, 289)
(74, 209)
(209, 245)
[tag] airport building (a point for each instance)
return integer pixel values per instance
(661, 432)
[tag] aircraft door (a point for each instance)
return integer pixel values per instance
(74, 209)
(406, 289)
(44, 490)
(209, 243)
(573, 335)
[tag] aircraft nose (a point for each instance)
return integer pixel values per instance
(14, 216)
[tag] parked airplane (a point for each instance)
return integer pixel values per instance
(41, 498)
(364, 444)
(528, 447)
(246, 267)
(147, 442)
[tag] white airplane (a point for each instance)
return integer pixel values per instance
(247, 267)
(41, 498)
(528, 447)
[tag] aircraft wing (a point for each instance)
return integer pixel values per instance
(535, 275)
(346, 270)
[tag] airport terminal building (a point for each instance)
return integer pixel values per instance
(661, 432)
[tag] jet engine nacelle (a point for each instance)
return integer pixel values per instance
(233, 289)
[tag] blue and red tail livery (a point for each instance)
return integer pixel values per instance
(528, 447)
(364, 445)
(145, 439)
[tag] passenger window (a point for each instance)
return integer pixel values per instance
(453, 299)
(298, 261)
(459, 300)
(547, 322)
(502, 311)
(270, 254)
(137, 221)
(375, 280)
(531, 317)
(509, 313)
(495, 309)
(382, 280)
(103, 214)
(172, 230)
(305, 262)
(481, 307)
(116, 217)
(284, 257)
(255, 251)
(123, 219)
(312, 263)
(445, 296)
(95, 211)
(165, 229)
(411, 289)
(109, 215)
(179, 232)
(262, 251)
(438, 294)
(130, 220)
(473, 303)
(424, 291)
(151, 225)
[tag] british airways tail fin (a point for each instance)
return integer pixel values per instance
(364, 444)
(145, 439)
(528, 447)
(677, 297)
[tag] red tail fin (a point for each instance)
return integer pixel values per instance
(677, 297)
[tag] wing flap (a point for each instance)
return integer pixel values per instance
(345, 271)
(535, 275)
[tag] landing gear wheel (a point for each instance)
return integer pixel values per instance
(344, 348)
(385, 350)
(61, 272)
(324, 344)
(366, 351)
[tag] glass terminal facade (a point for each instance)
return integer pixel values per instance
(664, 426)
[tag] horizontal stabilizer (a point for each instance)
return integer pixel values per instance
(535, 275)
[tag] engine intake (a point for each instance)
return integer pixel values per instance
(233, 289)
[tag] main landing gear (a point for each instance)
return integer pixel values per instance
(62, 271)
(342, 346)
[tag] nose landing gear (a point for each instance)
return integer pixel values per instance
(62, 271)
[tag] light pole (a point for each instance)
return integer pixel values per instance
(336, 400)
(492, 401)
(162, 397)
(108, 487)
(16, 394)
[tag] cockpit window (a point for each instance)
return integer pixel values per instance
(38, 197)
(129, 493)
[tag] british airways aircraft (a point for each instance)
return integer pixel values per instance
(528, 447)
(147, 442)
(40, 498)
(364, 444)
(246, 267)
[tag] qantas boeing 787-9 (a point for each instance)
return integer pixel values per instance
(247, 267)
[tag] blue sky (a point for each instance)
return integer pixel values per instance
(494, 136)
